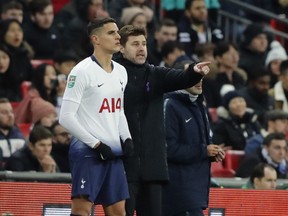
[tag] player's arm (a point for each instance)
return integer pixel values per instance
(68, 119)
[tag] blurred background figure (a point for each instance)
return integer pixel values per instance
(36, 155)
(12, 10)
(236, 123)
(11, 138)
(263, 177)
(60, 146)
(273, 152)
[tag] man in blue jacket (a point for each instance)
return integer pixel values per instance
(143, 105)
(189, 153)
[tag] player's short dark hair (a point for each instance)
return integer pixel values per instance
(11, 5)
(98, 23)
(38, 133)
(130, 30)
(258, 171)
(38, 6)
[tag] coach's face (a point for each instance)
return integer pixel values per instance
(135, 49)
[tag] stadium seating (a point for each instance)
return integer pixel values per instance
(218, 170)
(213, 114)
(25, 85)
(36, 62)
(25, 129)
(233, 159)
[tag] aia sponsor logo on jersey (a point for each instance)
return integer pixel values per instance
(110, 105)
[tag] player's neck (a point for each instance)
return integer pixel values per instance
(104, 60)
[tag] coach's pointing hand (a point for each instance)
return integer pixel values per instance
(202, 68)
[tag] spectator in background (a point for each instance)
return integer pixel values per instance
(184, 111)
(116, 8)
(133, 16)
(40, 32)
(275, 56)
(36, 155)
(272, 152)
(64, 61)
(12, 10)
(227, 58)
(60, 146)
(236, 123)
(253, 48)
(263, 177)
(173, 9)
(276, 121)
(75, 35)
(166, 30)
(11, 139)
(194, 27)
(11, 35)
(256, 92)
(35, 110)
(280, 90)
(7, 87)
(173, 52)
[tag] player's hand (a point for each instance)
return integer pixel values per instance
(202, 68)
(128, 148)
(105, 152)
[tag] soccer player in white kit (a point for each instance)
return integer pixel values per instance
(92, 111)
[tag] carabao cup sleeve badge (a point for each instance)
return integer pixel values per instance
(71, 81)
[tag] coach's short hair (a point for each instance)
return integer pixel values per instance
(130, 30)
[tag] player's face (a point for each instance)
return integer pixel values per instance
(107, 38)
(135, 49)
(6, 116)
(41, 148)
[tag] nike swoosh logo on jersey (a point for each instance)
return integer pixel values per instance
(187, 120)
(100, 85)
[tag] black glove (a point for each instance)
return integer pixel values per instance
(105, 152)
(128, 148)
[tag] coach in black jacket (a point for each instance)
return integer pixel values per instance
(143, 106)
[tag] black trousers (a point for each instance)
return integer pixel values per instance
(145, 198)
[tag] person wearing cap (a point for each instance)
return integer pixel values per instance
(236, 122)
(275, 121)
(280, 89)
(275, 56)
(273, 152)
(253, 48)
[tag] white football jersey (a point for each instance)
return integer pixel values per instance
(100, 98)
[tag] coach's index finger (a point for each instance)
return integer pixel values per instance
(202, 67)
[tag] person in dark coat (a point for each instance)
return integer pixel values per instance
(273, 152)
(143, 106)
(35, 156)
(236, 122)
(189, 154)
